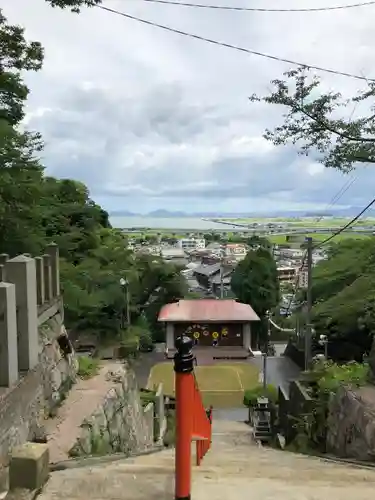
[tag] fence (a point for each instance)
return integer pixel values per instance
(193, 422)
(29, 296)
(292, 409)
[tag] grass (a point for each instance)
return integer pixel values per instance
(87, 367)
(281, 238)
(222, 385)
(301, 221)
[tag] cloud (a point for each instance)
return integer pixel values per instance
(150, 119)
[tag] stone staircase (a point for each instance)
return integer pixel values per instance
(235, 468)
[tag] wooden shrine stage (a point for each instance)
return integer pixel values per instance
(209, 354)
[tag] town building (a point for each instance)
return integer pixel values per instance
(191, 243)
(236, 250)
(174, 255)
(205, 274)
(302, 278)
(222, 326)
(287, 274)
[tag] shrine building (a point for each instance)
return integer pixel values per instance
(220, 324)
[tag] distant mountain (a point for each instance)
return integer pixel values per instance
(122, 213)
(161, 213)
(166, 214)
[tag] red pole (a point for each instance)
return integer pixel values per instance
(184, 387)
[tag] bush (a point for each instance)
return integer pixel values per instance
(170, 435)
(87, 367)
(147, 397)
(333, 376)
(325, 379)
(251, 395)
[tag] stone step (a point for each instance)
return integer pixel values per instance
(234, 469)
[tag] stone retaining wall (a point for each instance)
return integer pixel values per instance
(25, 406)
(351, 424)
(120, 423)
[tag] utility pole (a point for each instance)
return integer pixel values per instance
(222, 272)
(308, 333)
(124, 283)
(127, 304)
(268, 316)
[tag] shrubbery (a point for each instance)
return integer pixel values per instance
(324, 381)
(87, 367)
(251, 395)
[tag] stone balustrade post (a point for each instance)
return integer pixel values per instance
(47, 278)
(40, 292)
(3, 258)
(8, 335)
(53, 252)
(21, 272)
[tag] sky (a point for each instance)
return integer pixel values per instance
(150, 119)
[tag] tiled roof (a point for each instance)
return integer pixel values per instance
(207, 270)
(216, 280)
(207, 310)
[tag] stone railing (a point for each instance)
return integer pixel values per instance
(29, 296)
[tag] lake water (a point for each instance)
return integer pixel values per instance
(166, 223)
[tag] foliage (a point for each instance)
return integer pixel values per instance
(312, 120)
(36, 210)
(328, 378)
(333, 376)
(170, 434)
(344, 297)
(87, 367)
(255, 282)
(251, 395)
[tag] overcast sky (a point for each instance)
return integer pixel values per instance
(150, 119)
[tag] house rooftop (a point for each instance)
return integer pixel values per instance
(207, 310)
(208, 269)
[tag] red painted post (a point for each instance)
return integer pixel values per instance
(184, 387)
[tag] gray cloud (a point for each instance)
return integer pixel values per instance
(139, 114)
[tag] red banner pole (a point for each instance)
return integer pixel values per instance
(184, 388)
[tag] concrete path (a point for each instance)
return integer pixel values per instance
(82, 400)
(234, 469)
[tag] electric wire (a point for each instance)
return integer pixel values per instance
(259, 9)
(231, 46)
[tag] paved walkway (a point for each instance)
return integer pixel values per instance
(235, 469)
(82, 400)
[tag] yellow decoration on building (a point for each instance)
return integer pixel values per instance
(215, 335)
(224, 331)
(196, 335)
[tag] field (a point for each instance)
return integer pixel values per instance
(305, 222)
(222, 385)
(281, 238)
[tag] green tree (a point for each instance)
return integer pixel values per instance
(35, 210)
(312, 120)
(344, 297)
(20, 191)
(347, 260)
(255, 282)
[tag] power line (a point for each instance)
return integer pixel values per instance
(324, 242)
(346, 186)
(350, 223)
(230, 46)
(253, 9)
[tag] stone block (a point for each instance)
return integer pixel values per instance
(29, 466)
